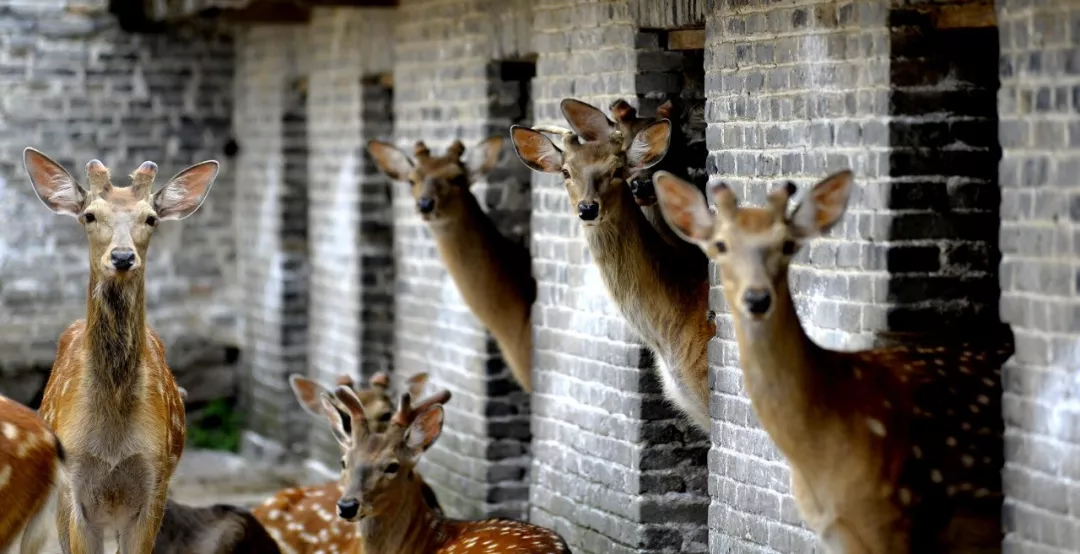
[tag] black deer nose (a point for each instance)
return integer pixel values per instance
(757, 301)
(347, 508)
(425, 205)
(588, 212)
(122, 260)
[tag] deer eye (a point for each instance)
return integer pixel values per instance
(392, 467)
(788, 248)
(565, 173)
(720, 246)
(385, 417)
(89, 217)
(151, 220)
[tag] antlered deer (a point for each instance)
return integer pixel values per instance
(382, 493)
(301, 519)
(894, 449)
(663, 292)
(111, 397)
(493, 274)
(31, 477)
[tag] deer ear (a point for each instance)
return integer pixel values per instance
(536, 150)
(823, 206)
(307, 394)
(186, 191)
(53, 184)
(649, 145)
(683, 207)
(586, 120)
(394, 163)
(337, 424)
(424, 430)
(485, 156)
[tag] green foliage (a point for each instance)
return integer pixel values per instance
(216, 427)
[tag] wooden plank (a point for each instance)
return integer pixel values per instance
(686, 39)
(965, 16)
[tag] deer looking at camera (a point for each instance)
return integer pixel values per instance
(663, 292)
(31, 476)
(111, 397)
(382, 490)
(493, 274)
(894, 449)
(301, 519)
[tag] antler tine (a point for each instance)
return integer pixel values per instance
(142, 180)
(726, 203)
(403, 415)
(98, 176)
(778, 198)
(349, 400)
(420, 150)
(457, 148)
(441, 397)
(622, 111)
(344, 380)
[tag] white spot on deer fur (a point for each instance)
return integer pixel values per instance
(950, 490)
(10, 431)
(905, 496)
(950, 441)
(983, 399)
(968, 461)
(857, 372)
(974, 409)
(936, 476)
(274, 514)
(988, 382)
(876, 427)
(981, 493)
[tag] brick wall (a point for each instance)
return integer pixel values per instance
(76, 87)
(1040, 270)
(614, 470)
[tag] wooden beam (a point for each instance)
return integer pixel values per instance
(965, 16)
(686, 39)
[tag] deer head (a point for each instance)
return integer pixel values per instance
(439, 183)
(595, 170)
(376, 398)
(752, 246)
(119, 221)
(378, 468)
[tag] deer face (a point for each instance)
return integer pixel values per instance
(378, 468)
(752, 246)
(438, 183)
(119, 221)
(594, 171)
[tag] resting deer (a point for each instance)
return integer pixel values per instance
(382, 490)
(893, 449)
(217, 529)
(111, 397)
(31, 477)
(493, 274)
(662, 292)
(301, 518)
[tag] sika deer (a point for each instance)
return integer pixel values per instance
(301, 518)
(663, 292)
(31, 477)
(111, 397)
(892, 449)
(493, 274)
(382, 493)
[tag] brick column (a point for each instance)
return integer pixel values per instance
(1038, 107)
(796, 92)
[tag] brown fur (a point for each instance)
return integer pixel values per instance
(392, 515)
(31, 475)
(906, 451)
(111, 397)
(663, 292)
(493, 274)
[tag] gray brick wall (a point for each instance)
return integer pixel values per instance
(75, 86)
(1040, 241)
(447, 86)
(795, 92)
(615, 470)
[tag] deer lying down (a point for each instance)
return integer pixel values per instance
(217, 529)
(892, 450)
(32, 472)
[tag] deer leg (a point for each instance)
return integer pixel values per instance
(37, 530)
(84, 537)
(138, 537)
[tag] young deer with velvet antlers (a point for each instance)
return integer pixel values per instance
(493, 274)
(31, 476)
(111, 397)
(663, 292)
(301, 519)
(382, 490)
(893, 449)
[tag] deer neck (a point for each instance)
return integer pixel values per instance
(779, 362)
(404, 524)
(116, 329)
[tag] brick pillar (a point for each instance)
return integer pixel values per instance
(447, 87)
(271, 203)
(794, 93)
(615, 468)
(1038, 107)
(351, 304)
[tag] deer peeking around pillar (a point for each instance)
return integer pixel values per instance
(492, 273)
(895, 449)
(663, 292)
(111, 398)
